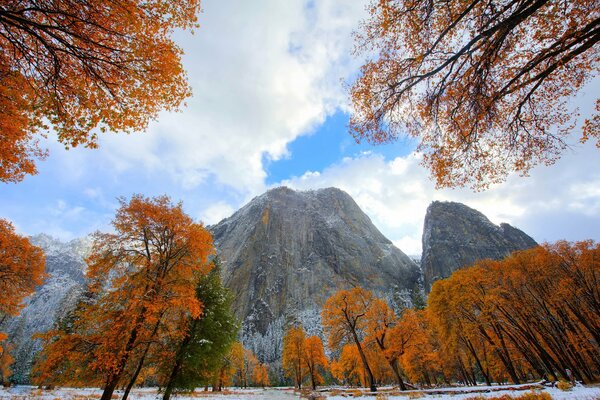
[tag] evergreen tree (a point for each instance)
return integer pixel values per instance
(210, 337)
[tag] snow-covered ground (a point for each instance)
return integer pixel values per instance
(32, 393)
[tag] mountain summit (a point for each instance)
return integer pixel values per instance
(455, 235)
(287, 251)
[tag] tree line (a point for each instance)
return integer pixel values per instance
(534, 314)
(154, 310)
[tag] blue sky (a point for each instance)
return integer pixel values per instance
(270, 108)
(329, 144)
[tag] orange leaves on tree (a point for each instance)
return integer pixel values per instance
(243, 362)
(343, 317)
(85, 67)
(21, 268)
(485, 86)
(260, 376)
(534, 312)
(293, 354)
(142, 287)
(314, 359)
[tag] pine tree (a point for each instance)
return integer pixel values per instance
(211, 335)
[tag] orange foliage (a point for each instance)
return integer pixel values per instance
(260, 376)
(82, 65)
(348, 368)
(484, 85)
(420, 359)
(314, 358)
(535, 312)
(387, 334)
(21, 268)
(293, 355)
(243, 362)
(344, 320)
(6, 361)
(142, 288)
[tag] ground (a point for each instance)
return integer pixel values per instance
(578, 393)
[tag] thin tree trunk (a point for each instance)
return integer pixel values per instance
(114, 378)
(370, 377)
(178, 363)
(394, 364)
(141, 362)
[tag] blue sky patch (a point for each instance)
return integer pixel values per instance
(328, 145)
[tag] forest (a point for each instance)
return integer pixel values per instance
(155, 313)
(477, 93)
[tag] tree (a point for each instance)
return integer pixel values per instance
(83, 65)
(243, 362)
(21, 270)
(344, 320)
(293, 354)
(144, 278)
(260, 375)
(383, 330)
(348, 368)
(535, 312)
(210, 336)
(485, 85)
(6, 361)
(314, 358)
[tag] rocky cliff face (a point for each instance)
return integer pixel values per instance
(58, 294)
(455, 236)
(286, 252)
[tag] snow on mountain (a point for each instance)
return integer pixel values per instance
(65, 267)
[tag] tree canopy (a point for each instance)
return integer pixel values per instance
(142, 283)
(484, 85)
(85, 67)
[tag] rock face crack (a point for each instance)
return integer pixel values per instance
(455, 236)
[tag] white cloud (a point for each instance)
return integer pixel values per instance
(216, 212)
(261, 76)
(561, 201)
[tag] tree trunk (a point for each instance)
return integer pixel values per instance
(394, 364)
(177, 367)
(114, 378)
(141, 363)
(370, 378)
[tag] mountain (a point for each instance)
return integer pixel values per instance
(59, 293)
(285, 252)
(455, 236)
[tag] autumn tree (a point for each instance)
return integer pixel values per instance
(391, 339)
(260, 375)
(293, 354)
(243, 362)
(535, 312)
(85, 67)
(314, 359)
(344, 321)
(21, 270)
(6, 361)
(484, 85)
(420, 356)
(143, 279)
(348, 368)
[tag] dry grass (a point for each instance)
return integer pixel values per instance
(564, 386)
(533, 395)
